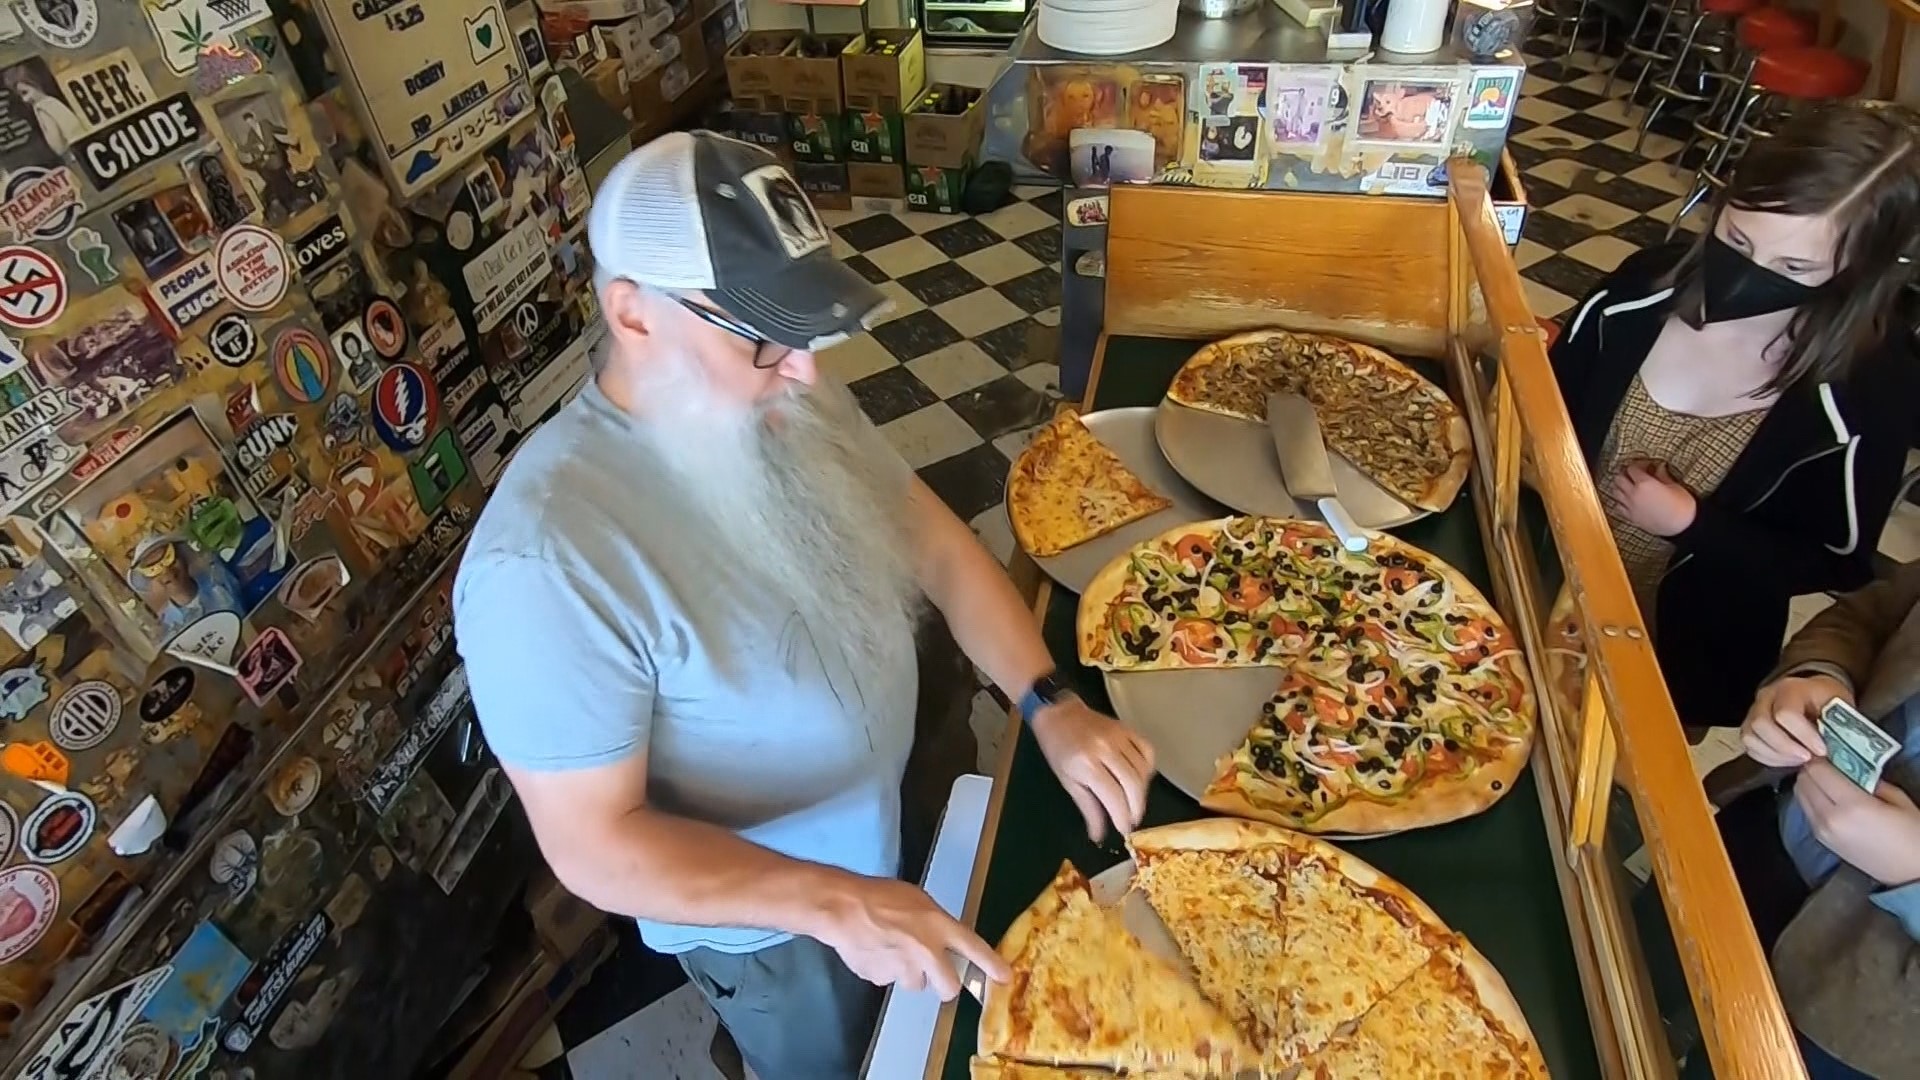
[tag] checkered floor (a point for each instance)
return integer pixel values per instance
(964, 368)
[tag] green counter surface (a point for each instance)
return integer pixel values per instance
(1491, 877)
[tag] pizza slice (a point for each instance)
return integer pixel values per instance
(1352, 936)
(1217, 884)
(1453, 1018)
(1068, 488)
(1329, 752)
(1086, 992)
(1233, 377)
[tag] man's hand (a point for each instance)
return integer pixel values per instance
(1103, 766)
(1651, 498)
(1781, 729)
(1878, 833)
(891, 933)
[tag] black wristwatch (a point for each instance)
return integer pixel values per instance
(1045, 691)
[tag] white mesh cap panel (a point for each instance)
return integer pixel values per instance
(645, 220)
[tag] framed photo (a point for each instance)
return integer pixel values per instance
(1406, 112)
(1101, 156)
(1298, 104)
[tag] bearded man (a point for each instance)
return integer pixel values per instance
(688, 616)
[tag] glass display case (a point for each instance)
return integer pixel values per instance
(987, 23)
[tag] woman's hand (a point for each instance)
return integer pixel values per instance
(1878, 833)
(1651, 498)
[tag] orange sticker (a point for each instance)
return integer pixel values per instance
(35, 761)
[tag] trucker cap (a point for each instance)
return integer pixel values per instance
(695, 210)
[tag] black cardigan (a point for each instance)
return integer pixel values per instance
(1800, 511)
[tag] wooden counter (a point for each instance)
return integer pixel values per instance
(1533, 882)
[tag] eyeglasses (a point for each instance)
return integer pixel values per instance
(766, 353)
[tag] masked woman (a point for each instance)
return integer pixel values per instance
(1746, 403)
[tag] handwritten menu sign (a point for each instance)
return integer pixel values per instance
(437, 81)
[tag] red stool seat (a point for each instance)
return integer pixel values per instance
(1809, 73)
(1729, 7)
(1776, 28)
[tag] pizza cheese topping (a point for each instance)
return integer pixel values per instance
(1400, 679)
(1068, 488)
(1395, 426)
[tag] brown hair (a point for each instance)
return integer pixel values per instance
(1861, 161)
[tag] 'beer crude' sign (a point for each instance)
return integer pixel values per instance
(130, 144)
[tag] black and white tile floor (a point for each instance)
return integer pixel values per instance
(964, 368)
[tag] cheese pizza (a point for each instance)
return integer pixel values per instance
(1395, 426)
(1068, 488)
(1325, 967)
(1086, 992)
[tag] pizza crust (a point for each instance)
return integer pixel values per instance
(1090, 619)
(1209, 834)
(1239, 791)
(1499, 1002)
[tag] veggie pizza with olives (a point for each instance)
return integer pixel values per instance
(1405, 700)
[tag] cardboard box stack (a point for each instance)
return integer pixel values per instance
(942, 131)
(882, 72)
(753, 81)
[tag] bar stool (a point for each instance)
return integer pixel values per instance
(1568, 18)
(1700, 55)
(1777, 79)
(1648, 54)
(1767, 28)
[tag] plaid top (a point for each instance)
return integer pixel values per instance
(1698, 451)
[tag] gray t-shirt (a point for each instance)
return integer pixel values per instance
(578, 611)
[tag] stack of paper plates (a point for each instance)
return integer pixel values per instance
(1107, 27)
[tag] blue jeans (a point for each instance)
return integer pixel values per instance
(1824, 1066)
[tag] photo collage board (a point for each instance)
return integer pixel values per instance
(252, 395)
(1363, 127)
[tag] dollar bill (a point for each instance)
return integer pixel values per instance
(1855, 745)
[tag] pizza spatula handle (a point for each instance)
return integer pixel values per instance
(1352, 537)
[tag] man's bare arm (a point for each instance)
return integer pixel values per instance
(607, 846)
(622, 856)
(988, 618)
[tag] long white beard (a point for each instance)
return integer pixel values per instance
(805, 497)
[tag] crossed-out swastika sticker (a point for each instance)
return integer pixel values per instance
(33, 291)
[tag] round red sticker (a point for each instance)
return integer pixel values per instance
(252, 267)
(29, 897)
(33, 290)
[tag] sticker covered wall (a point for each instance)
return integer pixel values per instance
(229, 322)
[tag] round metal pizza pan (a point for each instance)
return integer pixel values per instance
(1194, 717)
(1114, 886)
(1129, 434)
(1234, 462)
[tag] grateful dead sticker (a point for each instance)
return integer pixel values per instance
(29, 897)
(268, 664)
(406, 405)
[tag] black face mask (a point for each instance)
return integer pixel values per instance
(1733, 286)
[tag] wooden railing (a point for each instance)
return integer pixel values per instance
(1619, 724)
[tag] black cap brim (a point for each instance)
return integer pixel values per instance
(809, 303)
